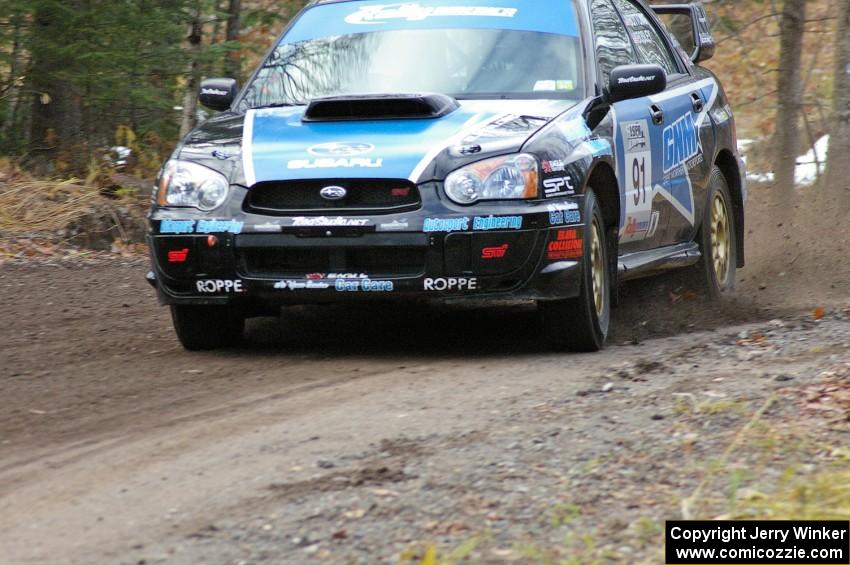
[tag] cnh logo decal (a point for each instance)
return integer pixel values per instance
(681, 142)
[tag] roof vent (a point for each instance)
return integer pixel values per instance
(380, 107)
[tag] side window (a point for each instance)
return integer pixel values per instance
(649, 44)
(613, 47)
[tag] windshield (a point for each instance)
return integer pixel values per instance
(354, 48)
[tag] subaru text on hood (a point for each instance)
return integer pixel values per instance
(544, 150)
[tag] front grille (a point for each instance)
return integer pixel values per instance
(303, 197)
(289, 256)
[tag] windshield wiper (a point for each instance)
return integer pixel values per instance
(278, 105)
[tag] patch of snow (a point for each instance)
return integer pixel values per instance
(813, 164)
(809, 166)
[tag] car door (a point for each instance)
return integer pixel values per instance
(637, 139)
(680, 115)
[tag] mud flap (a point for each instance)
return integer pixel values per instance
(613, 265)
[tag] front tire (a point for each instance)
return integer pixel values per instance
(202, 328)
(581, 324)
(716, 271)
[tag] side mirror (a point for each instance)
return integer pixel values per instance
(217, 93)
(689, 26)
(635, 81)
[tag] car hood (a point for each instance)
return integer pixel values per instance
(277, 144)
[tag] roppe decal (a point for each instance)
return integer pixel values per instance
(219, 287)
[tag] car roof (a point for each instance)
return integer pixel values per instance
(312, 3)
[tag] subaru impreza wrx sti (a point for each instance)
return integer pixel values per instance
(542, 150)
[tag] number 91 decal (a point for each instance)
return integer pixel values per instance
(637, 161)
(639, 180)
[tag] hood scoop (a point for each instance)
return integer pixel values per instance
(380, 107)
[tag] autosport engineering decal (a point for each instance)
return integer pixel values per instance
(200, 226)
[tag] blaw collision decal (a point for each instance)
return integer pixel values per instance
(655, 160)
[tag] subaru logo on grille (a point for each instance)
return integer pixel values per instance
(340, 149)
(333, 193)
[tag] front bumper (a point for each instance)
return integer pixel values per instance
(516, 250)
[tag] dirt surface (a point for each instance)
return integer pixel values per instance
(379, 434)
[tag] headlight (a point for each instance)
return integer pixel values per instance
(190, 185)
(512, 177)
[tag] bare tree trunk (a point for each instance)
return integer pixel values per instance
(190, 100)
(790, 88)
(233, 65)
(56, 123)
(838, 160)
(11, 91)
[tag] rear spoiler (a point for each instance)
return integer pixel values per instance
(704, 43)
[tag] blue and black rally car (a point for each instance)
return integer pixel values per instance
(523, 149)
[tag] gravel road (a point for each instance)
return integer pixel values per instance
(369, 434)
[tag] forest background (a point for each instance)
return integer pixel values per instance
(80, 77)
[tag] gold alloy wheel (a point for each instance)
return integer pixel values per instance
(721, 240)
(597, 265)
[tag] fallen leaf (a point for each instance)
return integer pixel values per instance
(355, 514)
(450, 528)
(819, 313)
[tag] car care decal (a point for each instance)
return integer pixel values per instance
(347, 18)
(674, 153)
(364, 285)
(564, 213)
